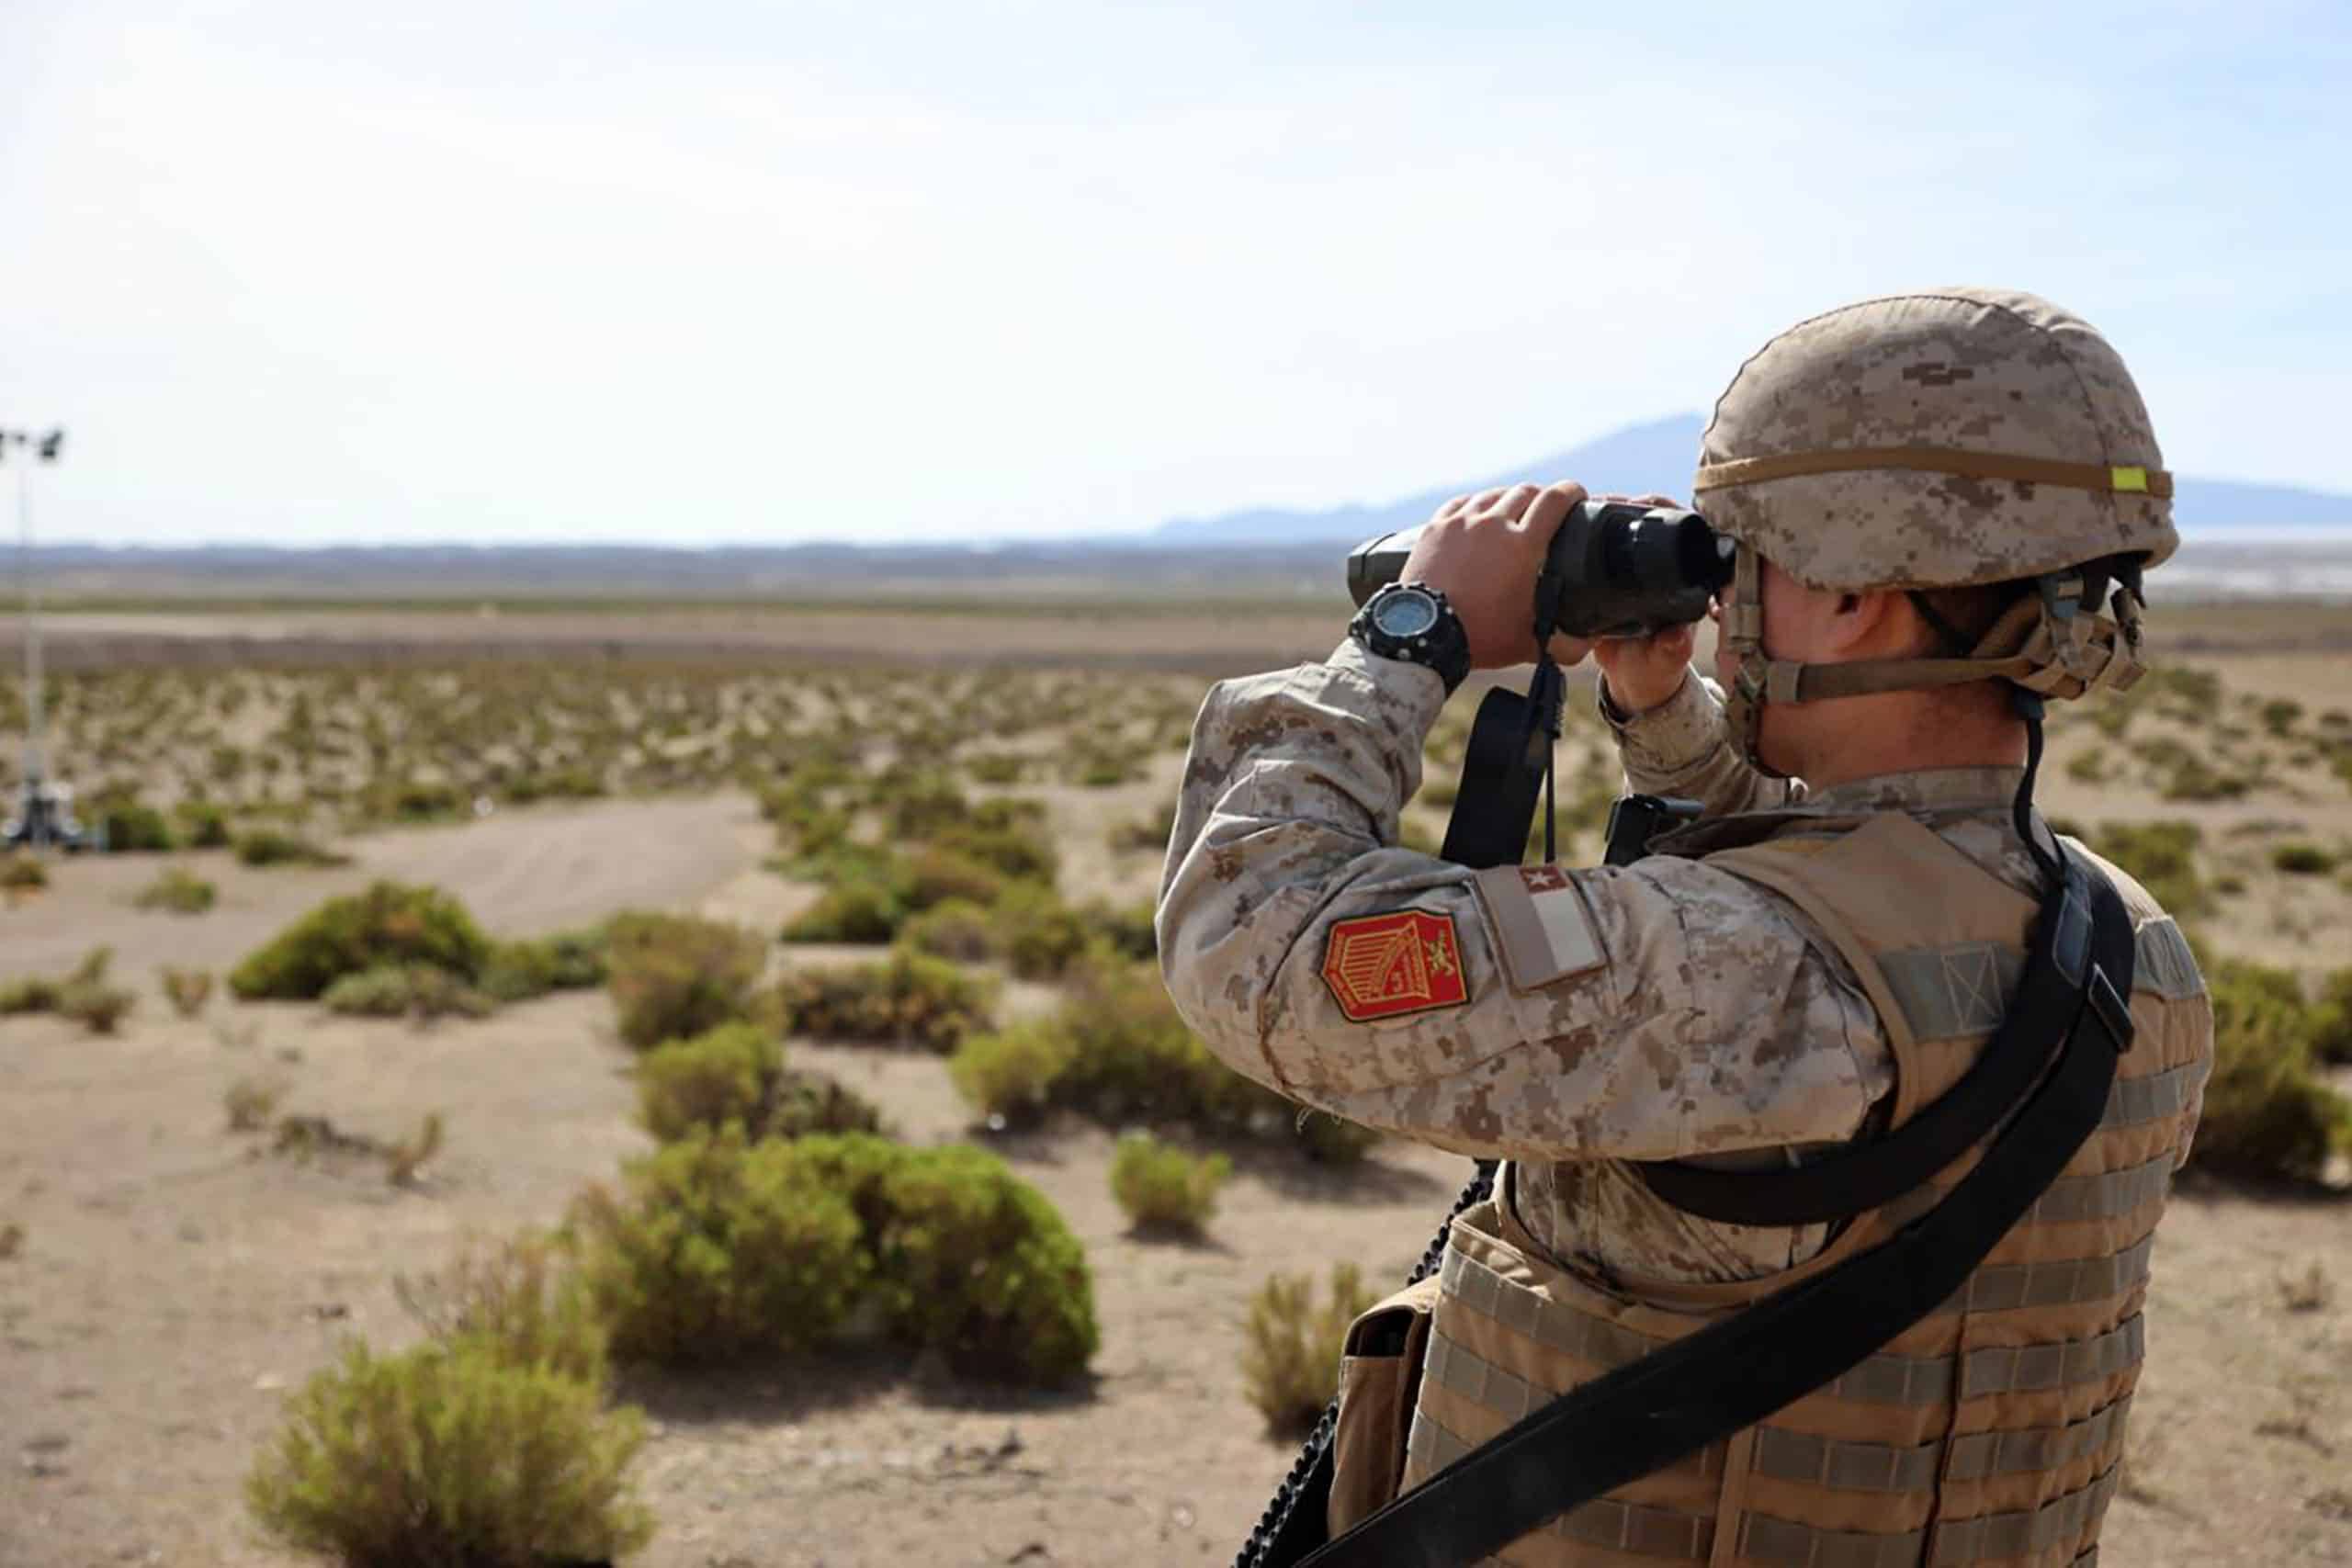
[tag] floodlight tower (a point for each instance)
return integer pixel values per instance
(38, 828)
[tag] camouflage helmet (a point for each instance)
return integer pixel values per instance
(1944, 439)
(1935, 440)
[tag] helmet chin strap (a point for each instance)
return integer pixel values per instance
(1742, 630)
(2055, 642)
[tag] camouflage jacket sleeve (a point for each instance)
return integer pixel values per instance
(1535, 1013)
(1683, 747)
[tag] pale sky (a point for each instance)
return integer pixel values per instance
(695, 271)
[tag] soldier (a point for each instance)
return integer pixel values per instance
(1931, 495)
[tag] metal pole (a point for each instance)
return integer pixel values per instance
(35, 770)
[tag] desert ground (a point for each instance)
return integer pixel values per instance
(170, 1279)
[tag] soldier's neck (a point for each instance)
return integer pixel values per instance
(1901, 732)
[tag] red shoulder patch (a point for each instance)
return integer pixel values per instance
(1385, 965)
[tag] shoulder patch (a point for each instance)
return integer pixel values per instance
(1547, 932)
(1386, 966)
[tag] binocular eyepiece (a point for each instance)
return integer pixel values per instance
(1616, 568)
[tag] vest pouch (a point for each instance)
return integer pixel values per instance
(1380, 1377)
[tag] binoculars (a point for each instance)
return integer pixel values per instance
(1616, 569)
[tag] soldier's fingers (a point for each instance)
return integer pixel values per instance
(1658, 501)
(1547, 511)
(1452, 507)
(1510, 502)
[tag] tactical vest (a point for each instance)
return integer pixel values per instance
(1990, 1432)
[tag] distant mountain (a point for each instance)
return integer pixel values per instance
(1641, 460)
(1658, 457)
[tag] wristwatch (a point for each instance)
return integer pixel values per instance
(1407, 621)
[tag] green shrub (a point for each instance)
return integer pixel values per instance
(81, 993)
(178, 890)
(1007, 840)
(2267, 1113)
(2332, 1021)
(518, 971)
(2161, 857)
(249, 1103)
(388, 924)
(129, 825)
(920, 806)
(1290, 1356)
(857, 910)
(555, 784)
(997, 767)
(673, 976)
(449, 1454)
(721, 1247)
(1014, 1075)
(1043, 937)
(22, 869)
(203, 824)
(521, 1297)
(95, 1006)
(1147, 832)
(906, 998)
(1125, 929)
(1134, 1060)
(418, 991)
(957, 930)
(727, 1073)
(807, 1103)
(968, 1260)
(34, 993)
(937, 874)
(186, 989)
(1163, 1189)
(414, 800)
(2302, 860)
(273, 846)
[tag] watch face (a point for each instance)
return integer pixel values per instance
(1405, 615)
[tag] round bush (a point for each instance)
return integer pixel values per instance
(958, 930)
(1014, 1074)
(857, 910)
(729, 1074)
(1163, 1189)
(969, 1261)
(450, 1454)
(673, 976)
(721, 1247)
(388, 924)
(2266, 1112)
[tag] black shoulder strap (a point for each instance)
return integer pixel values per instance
(1732, 1374)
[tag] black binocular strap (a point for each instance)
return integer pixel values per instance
(1644, 1416)
(1846, 1183)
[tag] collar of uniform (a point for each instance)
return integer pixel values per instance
(1925, 789)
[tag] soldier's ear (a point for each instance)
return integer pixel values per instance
(1874, 624)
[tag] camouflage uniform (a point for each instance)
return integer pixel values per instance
(1719, 1020)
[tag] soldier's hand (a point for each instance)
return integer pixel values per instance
(1644, 672)
(1483, 552)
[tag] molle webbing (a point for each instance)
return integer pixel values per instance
(1672, 1535)
(1882, 1379)
(2132, 478)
